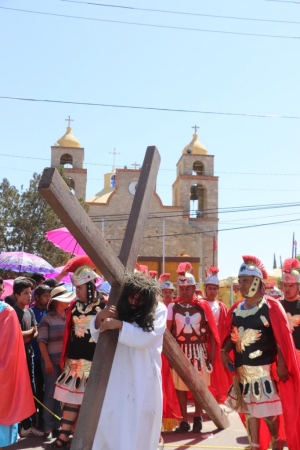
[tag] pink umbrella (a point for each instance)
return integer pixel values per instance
(63, 239)
(58, 270)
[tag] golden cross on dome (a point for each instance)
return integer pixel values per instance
(195, 128)
(69, 120)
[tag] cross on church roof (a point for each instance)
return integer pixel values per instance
(195, 128)
(69, 120)
(135, 165)
(114, 160)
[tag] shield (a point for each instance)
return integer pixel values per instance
(24, 262)
(63, 239)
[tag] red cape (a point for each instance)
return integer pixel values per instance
(290, 390)
(67, 333)
(15, 389)
(220, 378)
(171, 408)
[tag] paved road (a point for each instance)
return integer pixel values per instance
(233, 438)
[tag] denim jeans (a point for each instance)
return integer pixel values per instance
(50, 422)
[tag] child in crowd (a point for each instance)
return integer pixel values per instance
(22, 292)
(50, 341)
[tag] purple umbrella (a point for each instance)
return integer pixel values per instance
(63, 239)
(24, 262)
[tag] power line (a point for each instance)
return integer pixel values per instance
(174, 170)
(183, 13)
(121, 22)
(224, 210)
(205, 232)
(148, 108)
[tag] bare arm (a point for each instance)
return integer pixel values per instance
(282, 370)
(228, 345)
(48, 364)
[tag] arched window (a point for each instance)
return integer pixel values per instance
(66, 160)
(197, 201)
(198, 168)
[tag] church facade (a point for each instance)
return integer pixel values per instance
(185, 230)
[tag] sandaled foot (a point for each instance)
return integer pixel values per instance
(197, 425)
(58, 443)
(184, 427)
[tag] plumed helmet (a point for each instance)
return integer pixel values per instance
(164, 281)
(212, 276)
(253, 267)
(186, 277)
(290, 271)
(83, 275)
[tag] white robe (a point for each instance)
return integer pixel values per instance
(132, 410)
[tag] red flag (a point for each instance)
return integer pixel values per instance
(215, 245)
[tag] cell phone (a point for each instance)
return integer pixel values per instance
(230, 367)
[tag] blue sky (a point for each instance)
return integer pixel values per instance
(59, 58)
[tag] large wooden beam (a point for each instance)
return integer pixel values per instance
(66, 206)
(192, 379)
(105, 349)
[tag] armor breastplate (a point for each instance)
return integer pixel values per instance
(253, 336)
(190, 330)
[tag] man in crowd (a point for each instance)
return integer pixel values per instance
(132, 410)
(220, 377)
(42, 296)
(191, 322)
(78, 346)
(257, 332)
(166, 288)
(291, 301)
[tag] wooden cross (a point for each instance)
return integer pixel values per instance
(69, 120)
(135, 165)
(114, 160)
(114, 267)
(195, 128)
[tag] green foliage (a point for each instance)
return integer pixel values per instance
(26, 217)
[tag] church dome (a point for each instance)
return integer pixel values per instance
(194, 147)
(68, 140)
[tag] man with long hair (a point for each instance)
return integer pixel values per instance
(131, 415)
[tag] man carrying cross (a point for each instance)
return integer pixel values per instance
(132, 410)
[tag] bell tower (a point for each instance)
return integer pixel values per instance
(196, 190)
(67, 152)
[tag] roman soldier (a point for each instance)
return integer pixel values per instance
(257, 331)
(191, 322)
(166, 287)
